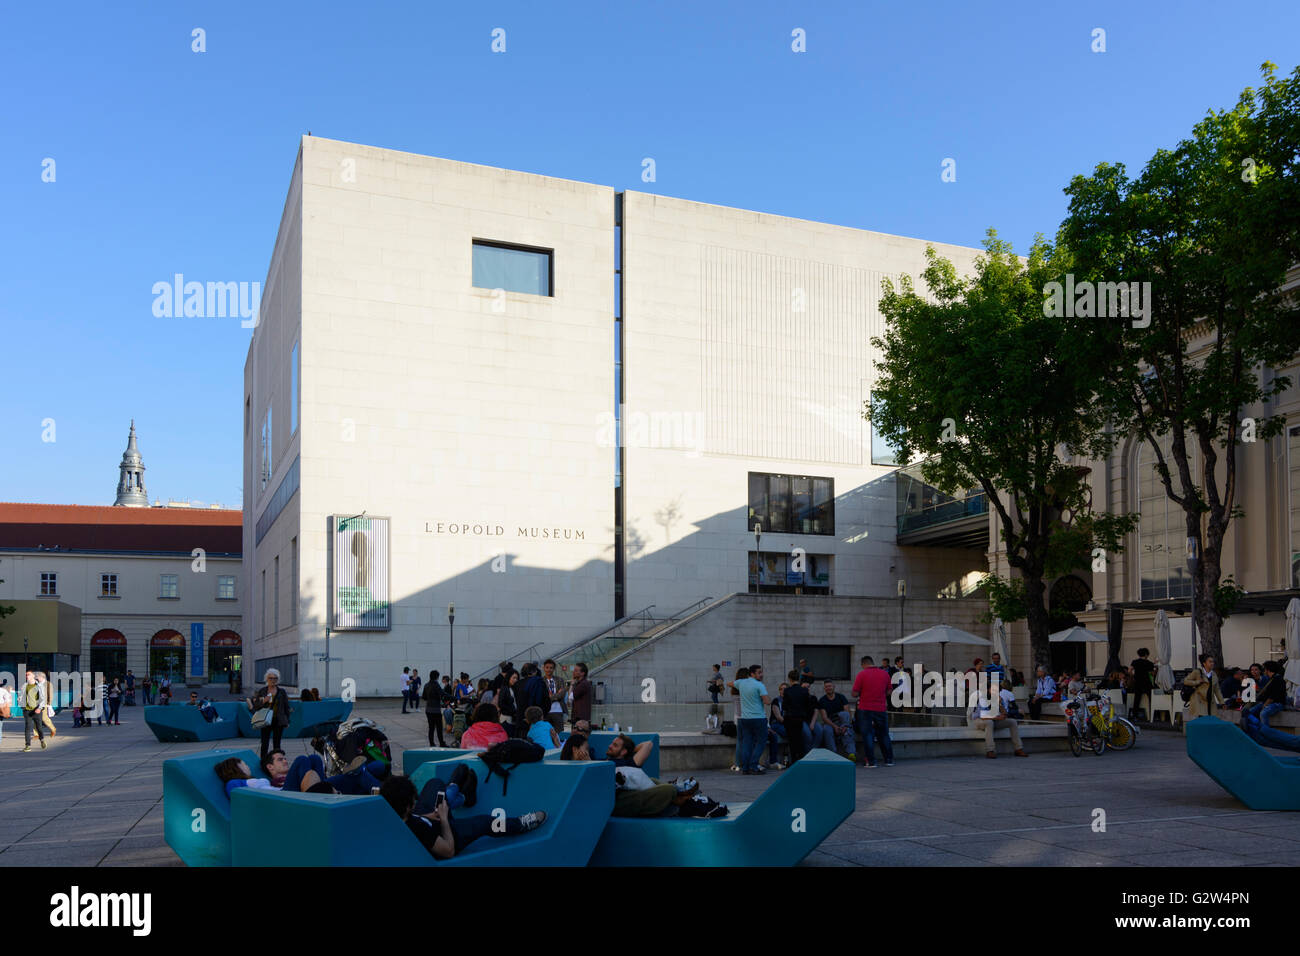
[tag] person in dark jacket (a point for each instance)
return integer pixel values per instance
(505, 699)
(277, 698)
(581, 688)
(433, 709)
(531, 691)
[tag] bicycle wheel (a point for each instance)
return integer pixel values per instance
(1097, 742)
(1123, 735)
(1076, 745)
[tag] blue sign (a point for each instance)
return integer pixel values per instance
(196, 649)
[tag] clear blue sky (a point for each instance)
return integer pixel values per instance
(173, 161)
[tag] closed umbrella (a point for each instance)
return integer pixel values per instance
(943, 635)
(1292, 673)
(1164, 651)
(1000, 639)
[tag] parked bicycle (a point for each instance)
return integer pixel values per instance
(1091, 723)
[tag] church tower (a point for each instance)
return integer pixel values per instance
(130, 487)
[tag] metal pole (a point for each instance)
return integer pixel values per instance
(328, 690)
(451, 640)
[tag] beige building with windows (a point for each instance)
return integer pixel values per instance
(129, 587)
(552, 405)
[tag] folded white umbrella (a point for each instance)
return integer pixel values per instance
(1164, 651)
(1292, 672)
(1077, 635)
(1000, 639)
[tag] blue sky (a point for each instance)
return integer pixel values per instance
(169, 161)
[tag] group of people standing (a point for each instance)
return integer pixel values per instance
(454, 709)
(804, 721)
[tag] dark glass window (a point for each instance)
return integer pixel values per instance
(828, 662)
(800, 505)
(513, 268)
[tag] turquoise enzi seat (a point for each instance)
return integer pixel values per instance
(190, 784)
(1246, 770)
(269, 828)
(800, 808)
(307, 718)
(413, 759)
(184, 724)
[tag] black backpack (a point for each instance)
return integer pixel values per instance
(1186, 693)
(511, 753)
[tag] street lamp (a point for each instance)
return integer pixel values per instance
(1191, 566)
(451, 638)
(758, 558)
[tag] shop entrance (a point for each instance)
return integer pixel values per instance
(167, 656)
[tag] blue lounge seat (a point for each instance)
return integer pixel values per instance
(802, 806)
(307, 718)
(599, 742)
(414, 758)
(184, 724)
(190, 784)
(1246, 770)
(271, 828)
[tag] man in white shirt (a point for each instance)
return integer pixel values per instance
(991, 716)
(405, 684)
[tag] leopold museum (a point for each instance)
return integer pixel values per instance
(553, 405)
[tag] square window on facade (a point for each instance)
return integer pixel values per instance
(513, 268)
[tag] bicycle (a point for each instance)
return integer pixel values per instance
(1091, 722)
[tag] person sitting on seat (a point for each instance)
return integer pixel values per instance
(484, 730)
(540, 731)
(430, 819)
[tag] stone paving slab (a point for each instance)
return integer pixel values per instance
(95, 798)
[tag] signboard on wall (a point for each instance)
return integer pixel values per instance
(359, 554)
(198, 660)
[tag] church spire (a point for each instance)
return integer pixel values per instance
(130, 487)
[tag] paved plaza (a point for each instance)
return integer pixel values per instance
(94, 798)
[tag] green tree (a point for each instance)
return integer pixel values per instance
(979, 383)
(1213, 225)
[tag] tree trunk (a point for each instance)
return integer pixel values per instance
(1208, 622)
(1036, 617)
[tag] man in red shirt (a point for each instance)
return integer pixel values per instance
(871, 691)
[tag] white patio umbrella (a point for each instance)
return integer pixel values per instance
(1077, 635)
(1164, 651)
(1292, 672)
(943, 635)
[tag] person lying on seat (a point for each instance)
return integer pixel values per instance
(430, 819)
(636, 793)
(234, 773)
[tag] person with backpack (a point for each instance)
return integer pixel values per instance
(433, 709)
(34, 701)
(430, 819)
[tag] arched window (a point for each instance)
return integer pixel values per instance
(1162, 532)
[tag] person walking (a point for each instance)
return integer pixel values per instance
(115, 701)
(871, 691)
(433, 709)
(277, 698)
(33, 701)
(47, 712)
(1204, 683)
(715, 683)
(6, 698)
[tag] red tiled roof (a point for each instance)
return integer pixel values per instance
(106, 528)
